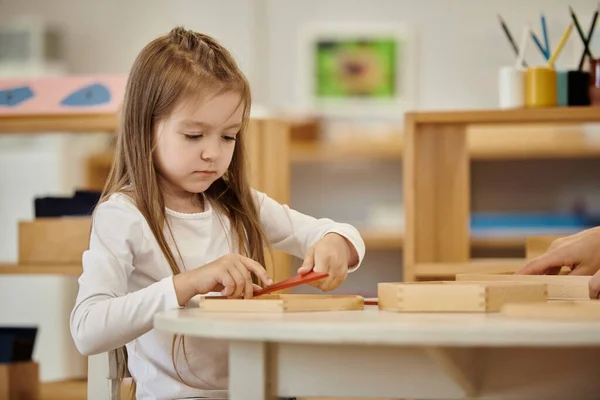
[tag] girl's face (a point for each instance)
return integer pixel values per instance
(195, 144)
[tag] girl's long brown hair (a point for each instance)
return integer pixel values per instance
(182, 65)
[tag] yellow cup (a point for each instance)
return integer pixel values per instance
(540, 87)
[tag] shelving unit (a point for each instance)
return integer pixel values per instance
(486, 142)
(438, 150)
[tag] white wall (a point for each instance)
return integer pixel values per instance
(460, 42)
(459, 51)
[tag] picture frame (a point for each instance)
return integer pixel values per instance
(357, 69)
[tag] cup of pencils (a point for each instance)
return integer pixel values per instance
(540, 87)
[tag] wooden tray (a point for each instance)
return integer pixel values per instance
(555, 310)
(284, 303)
(452, 296)
(560, 287)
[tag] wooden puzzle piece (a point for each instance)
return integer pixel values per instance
(560, 287)
(453, 296)
(283, 303)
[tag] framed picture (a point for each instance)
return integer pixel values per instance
(357, 69)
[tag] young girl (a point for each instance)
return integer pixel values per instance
(178, 219)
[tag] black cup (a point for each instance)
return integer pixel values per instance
(578, 83)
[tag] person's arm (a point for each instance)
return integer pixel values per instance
(295, 233)
(105, 315)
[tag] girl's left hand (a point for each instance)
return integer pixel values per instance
(332, 254)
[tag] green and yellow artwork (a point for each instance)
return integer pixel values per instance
(356, 68)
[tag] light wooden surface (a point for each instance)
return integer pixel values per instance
(437, 178)
(564, 287)
(374, 353)
(556, 310)
(373, 326)
(453, 296)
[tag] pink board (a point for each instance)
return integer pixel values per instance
(84, 94)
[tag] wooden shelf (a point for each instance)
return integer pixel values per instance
(498, 242)
(58, 123)
(498, 116)
(24, 269)
(390, 240)
(348, 150)
(382, 240)
(448, 270)
(528, 142)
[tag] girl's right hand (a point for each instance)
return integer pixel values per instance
(230, 274)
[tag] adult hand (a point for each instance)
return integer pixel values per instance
(580, 252)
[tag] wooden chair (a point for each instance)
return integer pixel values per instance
(268, 153)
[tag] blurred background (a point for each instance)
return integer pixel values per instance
(346, 155)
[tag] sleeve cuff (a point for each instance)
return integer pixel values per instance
(167, 288)
(356, 241)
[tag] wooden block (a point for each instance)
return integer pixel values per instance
(560, 287)
(452, 296)
(555, 310)
(284, 303)
(54, 240)
(19, 381)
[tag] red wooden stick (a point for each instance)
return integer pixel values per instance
(293, 281)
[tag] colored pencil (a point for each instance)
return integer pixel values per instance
(587, 42)
(545, 34)
(539, 44)
(586, 50)
(508, 35)
(523, 47)
(561, 44)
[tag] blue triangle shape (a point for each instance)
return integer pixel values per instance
(91, 95)
(15, 96)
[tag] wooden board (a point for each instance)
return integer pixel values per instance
(284, 303)
(555, 310)
(560, 287)
(452, 296)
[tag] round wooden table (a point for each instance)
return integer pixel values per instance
(374, 353)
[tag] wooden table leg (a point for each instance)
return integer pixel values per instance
(250, 369)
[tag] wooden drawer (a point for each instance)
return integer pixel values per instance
(54, 240)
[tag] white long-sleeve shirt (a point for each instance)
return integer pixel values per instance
(126, 281)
